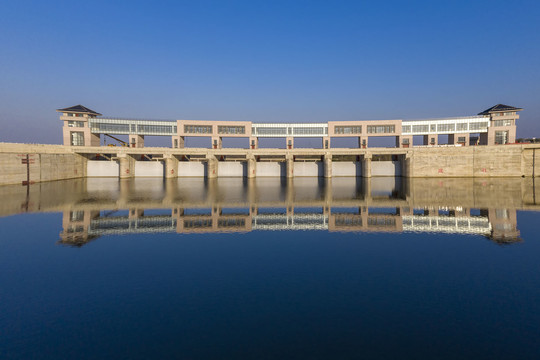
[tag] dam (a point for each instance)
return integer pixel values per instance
(482, 145)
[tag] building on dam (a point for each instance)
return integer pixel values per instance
(496, 125)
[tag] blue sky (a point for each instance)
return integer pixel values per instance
(265, 60)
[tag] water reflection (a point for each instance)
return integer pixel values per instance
(93, 208)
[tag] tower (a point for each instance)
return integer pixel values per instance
(76, 129)
(502, 124)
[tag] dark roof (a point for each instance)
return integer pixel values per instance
(79, 109)
(499, 107)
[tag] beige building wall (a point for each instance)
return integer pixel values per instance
(216, 130)
(509, 129)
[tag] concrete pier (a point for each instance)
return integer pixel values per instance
(171, 167)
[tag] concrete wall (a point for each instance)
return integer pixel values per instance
(56, 162)
(270, 168)
(149, 169)
(95, 168)
(346, 168)
(191, 168)
(385, 168)
(308, 168)
(43, 167)
(531, 162)
(232, 168)
(473, 161)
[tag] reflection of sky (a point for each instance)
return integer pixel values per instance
(249, 294)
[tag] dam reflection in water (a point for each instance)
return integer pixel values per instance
(93, 208)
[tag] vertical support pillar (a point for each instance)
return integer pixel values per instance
(404, 141)
(289, 145)
(253, 142)
(407, 166)
(366, 165)
(290, 166)
(368, 198)
(431, 139)
(171, 166)
(326, 142)
(136, 141)
(127, 166)
(178, 142)
(212, 167)
(327, 166)
(217, 142)
(363, 142)
(328, 196)
(251, 167)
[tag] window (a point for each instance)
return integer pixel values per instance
(348, 130)
(76, 215)
(446, 127)
(105, 127)
(380, 129)
(77, 138)
(406, 128)
(501, 137)
(420, 128)
(433, 128)
(72, 123)
(405, 141)
(501, 213)
(503, 122)
(197, 129)
(231, 129)
(461, 139)
(272, 131)
(308, 130)
(478, 125)
(462, 126)
(155, 129)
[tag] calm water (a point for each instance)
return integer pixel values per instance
(268, 269)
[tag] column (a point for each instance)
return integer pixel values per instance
(404, 141)
(289, 142)
(217, 142)
(136, 141)
(171, 166)
(290, 166)
(212, 167)
(363, 142)
(178, 142)
(251, 167)
(366, 165)
(431, 139)
(326, 142)
(407, 166)
(327, 166)
(127, 166)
